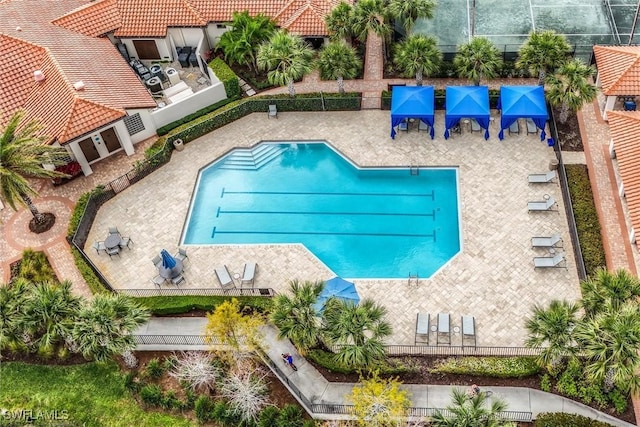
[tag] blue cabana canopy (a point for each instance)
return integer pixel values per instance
(522, 101)
(467, 102)
(411, 102)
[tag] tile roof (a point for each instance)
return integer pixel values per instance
(150, 18)
(625, 132)
(65, 57)
(618, 69)
(94, 19)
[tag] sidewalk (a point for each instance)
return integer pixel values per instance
(318, 390)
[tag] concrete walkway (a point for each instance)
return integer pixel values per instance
(317, 390)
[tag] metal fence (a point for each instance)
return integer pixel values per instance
(175, 340)
(566, 196)
(426, 350)
(168, 292)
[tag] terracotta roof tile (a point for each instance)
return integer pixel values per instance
(618, 69)
(625, 132)
(150, 18)
(94, 19)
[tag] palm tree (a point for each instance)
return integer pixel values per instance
(104, 326)
(22, 154)
(295, 314)
(408, 11)
(338, 61)
(12, 298)
(477, 59)
(471, 412)
(48, 315)
(552, 330)
(610, 342)
(418, 56)
(570, 88)
(240, 44)
(606, 289)
(339, 22)
(370, 16)
(358, 330)
(286, 57)
(542, 53)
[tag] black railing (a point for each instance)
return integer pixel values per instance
(175, 340)
(275, 367)
(432, 350)
(167, 292)
(566, 196)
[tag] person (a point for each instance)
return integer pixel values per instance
(288, 358)
(474, 390)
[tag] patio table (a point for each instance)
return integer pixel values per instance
(112, 241)
(170, 273)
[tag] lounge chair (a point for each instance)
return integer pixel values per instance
(157, 261)
(542, 178)
(444, 328)
(423, 126)
(126, 241)
(552, 241)
(475, 126)
(544, 205)
(99, 246)
(248, 274)
(273, 111)
(514, 128)
(181, 255)
(226, 282)
(555, 261)
(422, 328)
(531, 126)
(468, 329)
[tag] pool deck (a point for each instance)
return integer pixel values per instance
(492, 278)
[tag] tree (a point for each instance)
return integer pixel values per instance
(610, 341)
(477, 59)
(338, 61)
(379, 402)
(196, 370)
(229, 326)
(286, 58)
(295, 314)
(542, 53)
(104, 326)
(22, 154)
(12, 298)
(240, 44)
(570, 88)
(339, 22)
(471, 412)
(358, 330)
(370, 16)
(552, 330)
(407, 12)
(608, 290)
(246, 391)
(418, 56)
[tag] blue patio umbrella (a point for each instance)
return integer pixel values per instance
(168, 261)
(339, 288)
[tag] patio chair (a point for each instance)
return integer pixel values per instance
(444, 328)
(514, 128)
(113, 230)
(552, 241)
(423, 126)
(248, 274)
(177, 280)
(157, 261)
(158, 281)
(404, 125)
(457, 129)
(422, 328)
(541, 178)
(126, 241)
(544, 205)
(273, 111)
(99, 246)
(475, 126)
(531, 126)
(468, 329)
(556, 261)
(113, 251)
(226, 282)
(181, 255)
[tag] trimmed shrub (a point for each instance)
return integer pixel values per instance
(619, 400)
(498, 367)
(290, 416)
(268, 416)
(154, 368)
(586, 215)
(227, 77)
(152, 395)
(35, 267)
(545, 383)
(161, 131)
(203, 409)
(560, 419)
(160, 306)
(327, 360)
(87, 273)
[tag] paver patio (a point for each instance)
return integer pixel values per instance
(492, 278)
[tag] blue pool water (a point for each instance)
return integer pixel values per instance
(362, 223)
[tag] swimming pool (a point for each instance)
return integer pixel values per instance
(362, 223)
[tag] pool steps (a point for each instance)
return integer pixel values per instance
(252, 158)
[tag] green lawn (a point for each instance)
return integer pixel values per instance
(90, 395)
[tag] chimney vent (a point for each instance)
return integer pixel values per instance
(38, 75)
(18, 28)
(79, 85)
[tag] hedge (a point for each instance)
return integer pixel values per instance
(497, 367)
(227, 77)
(183, 304)
(560, 419)
(327, 360)
(586, 216)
